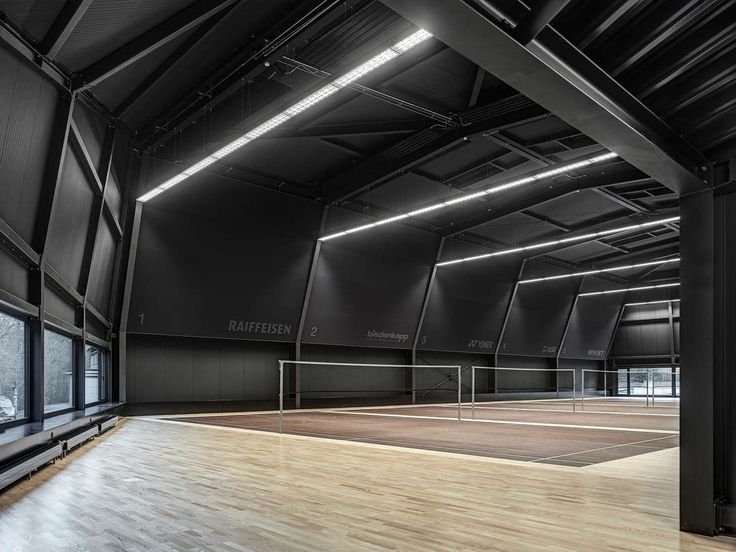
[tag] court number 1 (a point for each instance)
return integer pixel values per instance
(142, 316)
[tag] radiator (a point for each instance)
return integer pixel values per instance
(29, 464)
(80, 438)
(109, 423)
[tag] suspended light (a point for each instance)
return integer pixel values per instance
(624, 290)
(323, 93)
(560, 241)
(469, 197)
(599, 271)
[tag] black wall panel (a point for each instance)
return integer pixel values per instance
(101, 272)
(28, 104)
(591, 327)
(537, 378)
(167, 369)
(13, 276)
(369, 288)
(92, 129)
(538, 317)
(58, 306)
(95, 328)
(342, 381)
(72, 216)
(217, 258)
(642, 339)
(467, 306)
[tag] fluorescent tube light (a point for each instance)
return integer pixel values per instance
(608, 291)
(560, 241)
(599, 271)
(469, 197)
(363, 69)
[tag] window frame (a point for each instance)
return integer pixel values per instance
(104, 353)
(24, 318)
(75, 371)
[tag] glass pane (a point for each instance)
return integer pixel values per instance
(623, 382)
(661, 382)
(93, 375)
(58, 382)
(639, 379)
(12, 368)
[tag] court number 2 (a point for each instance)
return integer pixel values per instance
(313, 332)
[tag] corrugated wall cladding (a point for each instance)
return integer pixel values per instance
(58, 307)
(73, 211)
(13, 276)
(110, 24)
(34, 16)
(644, 339)
(168, 369)
(28, 105)
(101, 272)
(94, 327)
(92, 129)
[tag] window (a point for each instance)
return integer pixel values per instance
(94, 375)
(12, 368)
(58, 389)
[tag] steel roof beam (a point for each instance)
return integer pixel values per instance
(537, 19)
(69, 16)
(557, 76)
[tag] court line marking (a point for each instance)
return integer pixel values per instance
(366, 444)
(602, 448)
(557, 410)
(507, 422)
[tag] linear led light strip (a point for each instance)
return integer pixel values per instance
(326, 91)
(652, 302)
(623, 290)
(560, 242)
(468, 197)
(589, 272)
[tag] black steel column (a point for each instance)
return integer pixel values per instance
(708, 350)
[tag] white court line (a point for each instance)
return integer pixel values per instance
(507, 422)
(367, 444)
(600, 448)
(567, 410)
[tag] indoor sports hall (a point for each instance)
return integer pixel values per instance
(367, 275)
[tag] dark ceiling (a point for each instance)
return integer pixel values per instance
(184, 78)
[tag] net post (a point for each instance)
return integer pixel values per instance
(605, 384)
(582, 390)
(647, 388)
(472, 390)
(574, 389)
(654, 388)
(281, 396)
(459, 393)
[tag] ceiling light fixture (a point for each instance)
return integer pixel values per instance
(570, 240)
(652, 302)
(624, 290)
(599, 271)
(468, 197)
(326, 91)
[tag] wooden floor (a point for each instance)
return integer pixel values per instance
(162, 485)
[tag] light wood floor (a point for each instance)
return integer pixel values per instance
(156, 485)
